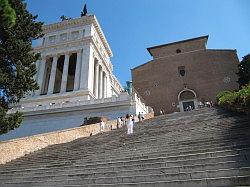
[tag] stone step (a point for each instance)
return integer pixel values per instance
(166, 131)
(183, 127)
(109, 172)
(167, 136)
(78, 179)
(231, 181)
(196, 148)
(140, 150)
(123, 141)
(160, 162)
(205, 143)
(181, 153)
(185, 120)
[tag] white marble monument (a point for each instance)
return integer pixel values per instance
(76, 80)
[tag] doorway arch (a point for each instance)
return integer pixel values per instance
(187, 98)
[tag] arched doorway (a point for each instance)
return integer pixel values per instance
(187, 99)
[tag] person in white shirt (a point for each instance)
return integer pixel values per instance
(102, 126)
(130, 124)
(119, 121)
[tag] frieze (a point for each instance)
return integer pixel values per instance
(61, 48)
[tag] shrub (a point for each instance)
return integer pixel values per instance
(237, 101)
(93, 120)
(221, 95)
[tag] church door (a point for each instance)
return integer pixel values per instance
(187, 104)
(187, 100)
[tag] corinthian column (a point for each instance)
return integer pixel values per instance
(65, 73)
(100, 86)
(52, 75)
(40, 77)
(105, 85)
(78, 70)
(96, 79)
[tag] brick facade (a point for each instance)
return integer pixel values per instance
(207, 72)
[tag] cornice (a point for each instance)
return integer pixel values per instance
(100, 57)
(90, 106)
(50, 49)
(53, 97)
(117, 81)
(85, 20)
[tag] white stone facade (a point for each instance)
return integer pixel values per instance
(77, 46)
(47, 118)
(76, 80)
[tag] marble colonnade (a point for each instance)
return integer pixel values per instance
(100, 76)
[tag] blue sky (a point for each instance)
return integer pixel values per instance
(131, 26)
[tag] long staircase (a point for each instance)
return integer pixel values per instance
(197, 148)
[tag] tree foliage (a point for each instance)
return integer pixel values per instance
(237, 101)
(17, 61)
(8, 15)
(244, 71)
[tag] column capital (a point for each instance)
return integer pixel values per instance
(55, 56)
(104, 72)
(79, 50)
(67, 53)
(100, 67)
(97, 64)
(43, 57)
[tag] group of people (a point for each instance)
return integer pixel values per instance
(205, 104)
(200, 105)
(128, 120)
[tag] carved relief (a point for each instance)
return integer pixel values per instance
(52, 39)
(63, 37)
(75, 35)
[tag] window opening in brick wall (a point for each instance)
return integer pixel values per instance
(182, 71)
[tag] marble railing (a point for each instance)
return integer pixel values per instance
(65, 104)
(139, 101)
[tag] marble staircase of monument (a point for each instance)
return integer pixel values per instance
(208, 147)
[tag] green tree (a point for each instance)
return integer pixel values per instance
(17, 61)
(244, 71)
(8, 15)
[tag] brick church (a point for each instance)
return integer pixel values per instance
(185, 73)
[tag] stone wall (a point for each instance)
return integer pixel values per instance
(183, 46)
(207, 72)
(12, 149)
(72, 114)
